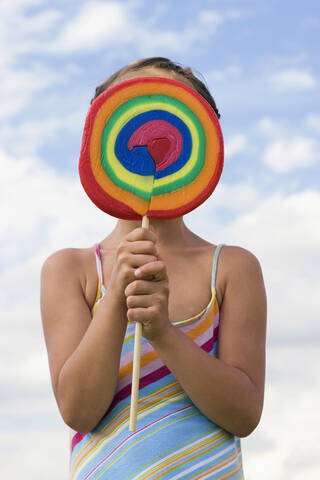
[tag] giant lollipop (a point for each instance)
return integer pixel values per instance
(152, 147)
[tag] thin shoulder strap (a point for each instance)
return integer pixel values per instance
(214, 266)
(98, 262)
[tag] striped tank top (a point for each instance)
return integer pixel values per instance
(173, 440)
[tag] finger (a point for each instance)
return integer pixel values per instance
(140, 301)
(138, 314)
(156, 270)
(141, 234)
(141, 287)
(137, 261)
(146, 247)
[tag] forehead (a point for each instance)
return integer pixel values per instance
(153, 72)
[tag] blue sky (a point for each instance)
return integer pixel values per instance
(261, 63)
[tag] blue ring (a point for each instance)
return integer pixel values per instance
(138, 160)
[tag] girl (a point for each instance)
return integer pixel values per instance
(203, 314)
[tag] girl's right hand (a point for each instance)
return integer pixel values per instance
(136, 249)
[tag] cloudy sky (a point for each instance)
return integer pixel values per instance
(261, 62)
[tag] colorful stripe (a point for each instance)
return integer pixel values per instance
(174, 440)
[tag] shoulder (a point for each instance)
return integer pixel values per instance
(71, 268)
(63, 260)
(69, 263)
(237, 264)
(235, 258)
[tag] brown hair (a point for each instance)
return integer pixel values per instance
(165, 64)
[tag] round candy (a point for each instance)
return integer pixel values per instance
(151, 146)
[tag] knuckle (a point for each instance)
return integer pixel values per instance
(140, 232)
(130, 314)
(133, 315)
(130, 301)
(122, 257)
(127, 291)
(121, 247)
(162, 266)
(165, 289)
(126, 272)
(139, 285)
(158, 299)
(151, 246)
(155, 310)
(149, 235)
(135, 286)
(125, 268)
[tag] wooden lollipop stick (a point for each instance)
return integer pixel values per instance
(136, 362)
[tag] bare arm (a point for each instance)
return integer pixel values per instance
(229, 389)
(84, 353)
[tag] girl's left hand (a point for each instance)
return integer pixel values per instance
(147, 299)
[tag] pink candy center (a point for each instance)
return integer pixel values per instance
(164, 142)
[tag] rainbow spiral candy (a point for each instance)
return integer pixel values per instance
(151, 146)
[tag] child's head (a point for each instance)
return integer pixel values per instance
(159, 66)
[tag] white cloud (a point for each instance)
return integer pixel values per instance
(279, 226)
(230, 72)
(270, 126)
(95, 24)
(9, 6)
(210, 18)
(99, 25)
(21, 31)
(292, 80)
(236, 197)
(237, 13)
(200, 29)
(34, 134)
(19, 85)
(36, 24)
(20, 458)
(284, 155)
(288, 416)
(284, 233)
(312, 121)
(236, 144)
(34, 370)
(24, 32)
(295, 60)
(39, 205)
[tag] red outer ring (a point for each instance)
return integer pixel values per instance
(116, 208)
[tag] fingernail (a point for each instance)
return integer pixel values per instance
(137, 272)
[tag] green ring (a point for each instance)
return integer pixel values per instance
(169, 186)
